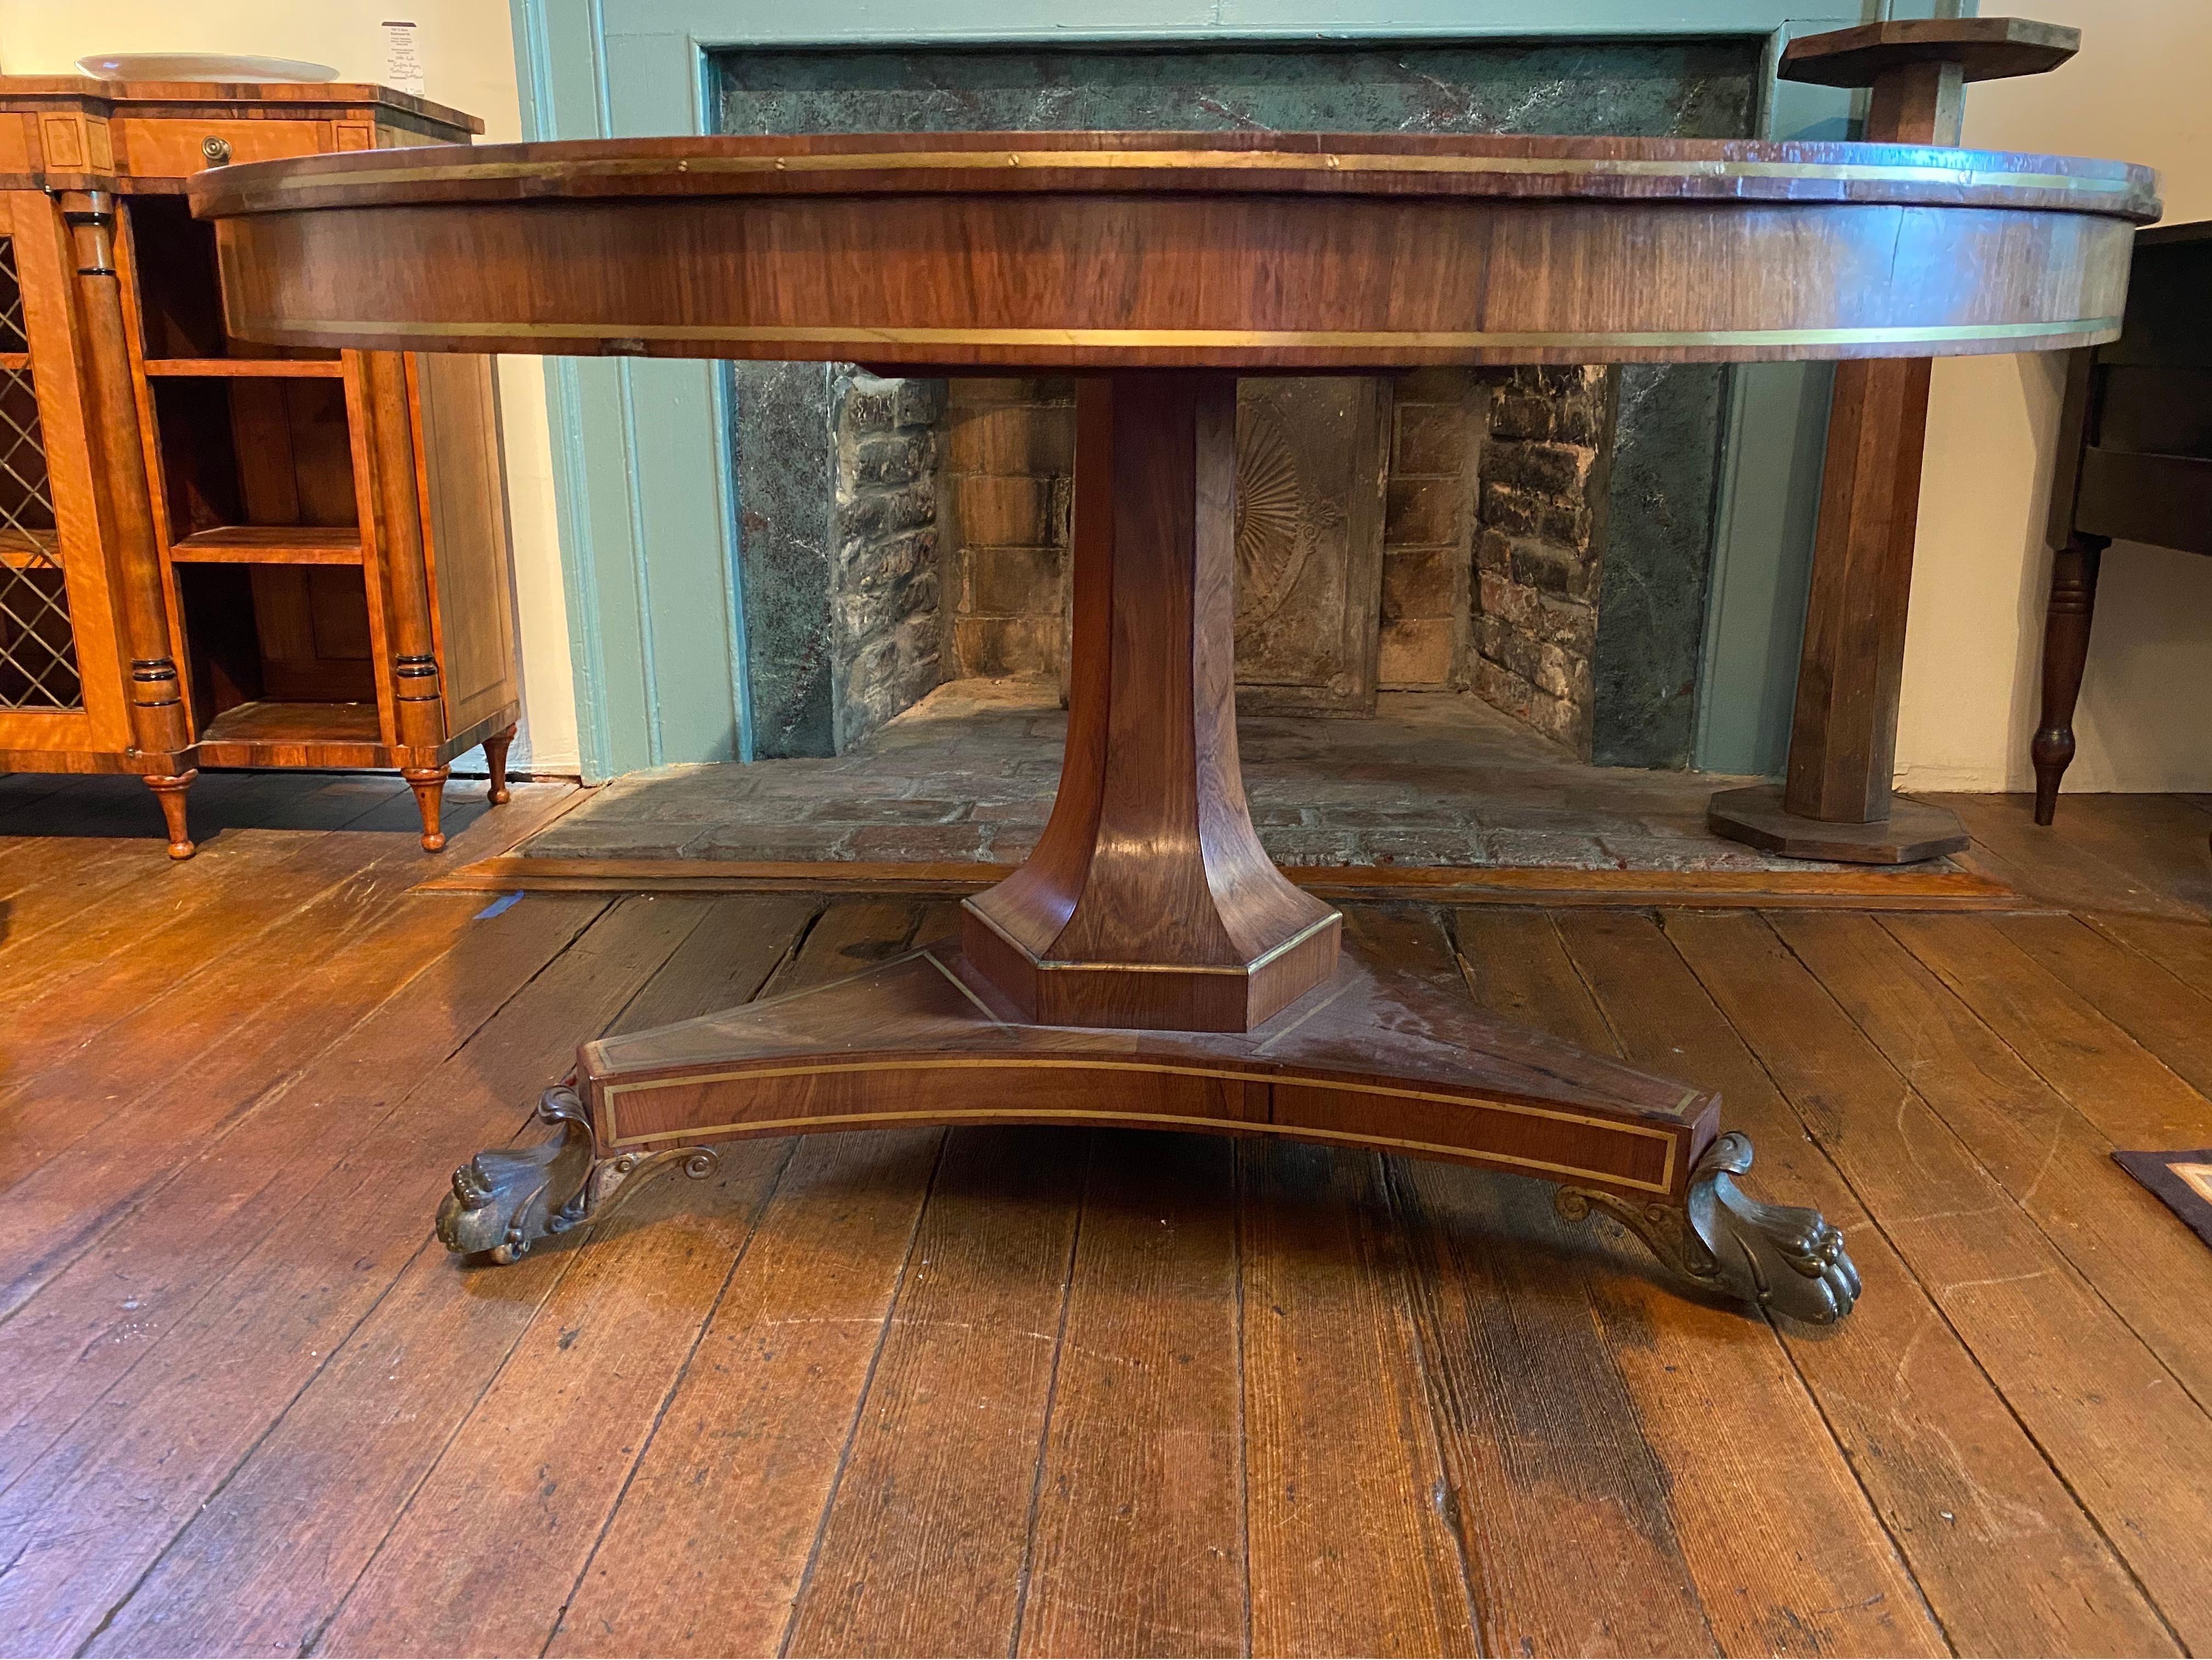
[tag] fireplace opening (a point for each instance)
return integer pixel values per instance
(1471, 603)
(1445, 533)
(1536, 540)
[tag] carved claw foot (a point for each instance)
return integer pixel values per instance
(505, 1202)
(1780, 1257)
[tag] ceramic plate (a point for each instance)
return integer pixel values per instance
(200, 66)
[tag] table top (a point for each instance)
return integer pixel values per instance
(1246, 251)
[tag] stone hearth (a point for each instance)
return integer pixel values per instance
(968, 775)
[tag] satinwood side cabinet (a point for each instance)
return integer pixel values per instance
(213, 553)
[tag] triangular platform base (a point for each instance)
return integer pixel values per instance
(1371, 1058)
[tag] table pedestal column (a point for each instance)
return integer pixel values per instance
(1150, 967)
(1149, 901)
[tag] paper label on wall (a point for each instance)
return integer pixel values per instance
(403, 63)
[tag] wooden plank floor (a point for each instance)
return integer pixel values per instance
(1026, 1391)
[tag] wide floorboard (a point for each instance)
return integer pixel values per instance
(1041, 1392)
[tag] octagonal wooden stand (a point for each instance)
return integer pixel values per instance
(1836, 803)
(1150, 966)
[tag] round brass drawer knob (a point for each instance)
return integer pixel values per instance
(217, 150)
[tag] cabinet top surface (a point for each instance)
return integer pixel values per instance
(155, 98)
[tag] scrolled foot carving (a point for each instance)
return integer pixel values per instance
(504, 1201)
(1780, 1257)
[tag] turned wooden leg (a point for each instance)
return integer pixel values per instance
(2065, 650)
(1149, 901)
(428, 784)
(169, 791)
(495, 749)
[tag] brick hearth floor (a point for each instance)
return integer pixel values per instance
(968, 773)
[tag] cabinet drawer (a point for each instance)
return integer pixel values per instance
(168, 148)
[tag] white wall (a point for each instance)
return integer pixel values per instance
(468, 62)
(1972, 664)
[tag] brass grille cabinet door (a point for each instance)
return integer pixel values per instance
(38, 647)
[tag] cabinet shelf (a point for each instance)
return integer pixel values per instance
(269, 722)
(271, 544)
(324, 368)
(34, 550)
(267, 733)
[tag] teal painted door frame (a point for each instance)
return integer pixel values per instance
(649, 510)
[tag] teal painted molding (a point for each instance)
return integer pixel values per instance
(1769, 488)
(640, 473)
(647, 506)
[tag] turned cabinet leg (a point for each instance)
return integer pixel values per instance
(2065, 651)
(169, 791)
(428, 784)
(495, 749)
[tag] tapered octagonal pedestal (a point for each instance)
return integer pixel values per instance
(1149, 901)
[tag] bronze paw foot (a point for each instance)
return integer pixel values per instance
(1783, 1257)
(504, 1200)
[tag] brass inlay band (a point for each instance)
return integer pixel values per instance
(1333, 920)
(964, 989)
(610, 1093)
(267, 198)
(1166, 1120)
(1069, 965)
(1186, 340)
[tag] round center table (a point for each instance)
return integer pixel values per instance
(1148, 965)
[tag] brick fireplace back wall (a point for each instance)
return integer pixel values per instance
(1492, 541)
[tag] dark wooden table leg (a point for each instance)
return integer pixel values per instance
(2072, 609)
(1149, 966)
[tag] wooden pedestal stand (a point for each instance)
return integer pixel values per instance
(1148, 965)
(1836, 803)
